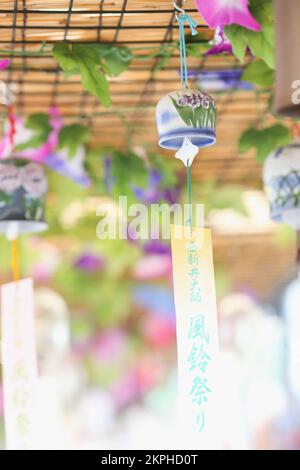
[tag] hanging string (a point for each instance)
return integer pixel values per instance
(15, 260)
(188, 176)
(183, 18)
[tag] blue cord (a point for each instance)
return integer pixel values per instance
(188, 174)
(182, 18)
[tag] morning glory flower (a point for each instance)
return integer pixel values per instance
(4, 64)
(221, 44)
(225, 12)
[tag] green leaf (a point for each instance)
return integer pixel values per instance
(261, 43)
(259, 73)
(39, 123)
(264, 141)
(92, 78)
(63, 54)
(94, 81)
(237, 35)
(92, 62)
(84, 60)
(116, 59)
(72, 137)
(185, 112)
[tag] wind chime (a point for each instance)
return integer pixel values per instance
(282, 184)
(186, 122)
(186, 118)
(23, 188)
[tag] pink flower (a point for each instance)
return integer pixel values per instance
(4, 64)
(152, 267)
(137, 381)
(224, 12)
(49, 146)
(159, 330)
(108, 346)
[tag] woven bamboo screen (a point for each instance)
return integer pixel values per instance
(25, 25)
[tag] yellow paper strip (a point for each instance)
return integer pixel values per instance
(197, 339)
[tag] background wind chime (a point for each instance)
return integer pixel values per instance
(282, 184)
(186, 122)
(23, 188)
(282, 167)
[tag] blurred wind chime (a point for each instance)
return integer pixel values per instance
(282, 168)
(23, 188)
(281, 176)
(186, 122)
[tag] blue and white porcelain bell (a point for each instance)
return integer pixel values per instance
(282, 183)
(186, 119)
(187, 114)
(23, 189)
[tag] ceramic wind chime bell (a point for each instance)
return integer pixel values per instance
(186, 119)
(282, 183)
(23, 189)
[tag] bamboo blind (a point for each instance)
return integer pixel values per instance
(26, 24)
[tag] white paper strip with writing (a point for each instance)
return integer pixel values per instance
(19, 363)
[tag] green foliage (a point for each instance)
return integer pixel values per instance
(72, 137)
(197, 117)
(163, 57)
(93, 62)
(107, 300)
(258, 73)
(166, 167)
(196, 45)
(84, 60)
(41, 128)
(260, 43)
(216, 197)
(114, 59)
(127, 171)
(264, 141)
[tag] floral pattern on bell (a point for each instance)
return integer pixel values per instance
(23, 187)
(186, 113)
(282, 184)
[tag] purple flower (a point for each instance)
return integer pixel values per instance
(156, 247)
(221, 44)
(195, 99)
(108, 178)
(89, 263)
(225, 12)
(172, 195)
(152, 193)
